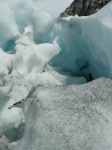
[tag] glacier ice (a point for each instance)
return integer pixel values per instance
(22, 12)
(39, 27)
(69, 117)
(8, 32)
(42, 25)
(45, 64)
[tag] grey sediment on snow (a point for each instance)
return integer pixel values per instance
(69, 117)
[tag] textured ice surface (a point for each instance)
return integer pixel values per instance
(22, 10)
(75, 37)
(42, 25)
(52, 54)
(78, 38)
(8, 31)
(69, 118)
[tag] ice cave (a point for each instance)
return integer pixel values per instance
(55, 79)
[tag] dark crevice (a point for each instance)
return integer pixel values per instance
(10, 45)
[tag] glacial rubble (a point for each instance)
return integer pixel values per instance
(84, 7)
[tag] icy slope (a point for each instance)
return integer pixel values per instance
(69, 118)
(86, 38)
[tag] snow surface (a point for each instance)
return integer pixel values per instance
(40, 60)
(69, 118)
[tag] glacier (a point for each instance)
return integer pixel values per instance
(45, 64)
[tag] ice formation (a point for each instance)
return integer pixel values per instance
(39, 58)
(56, 118)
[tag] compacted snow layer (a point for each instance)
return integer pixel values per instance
(69, 117)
